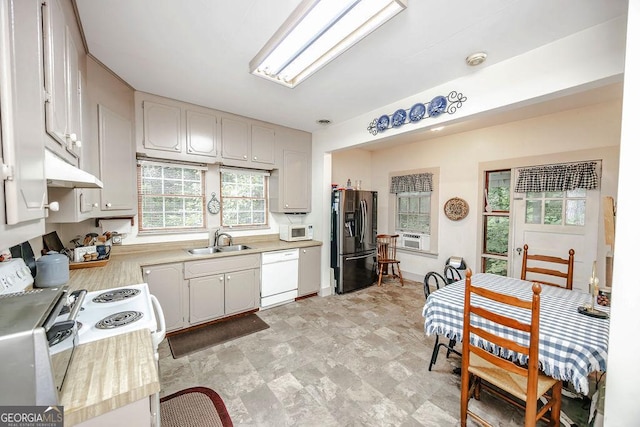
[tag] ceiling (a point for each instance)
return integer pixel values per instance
(198, 51)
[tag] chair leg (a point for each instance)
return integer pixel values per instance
(556, 396)
(400, 274)
(464, 397)
(380, 271)
(434, 355)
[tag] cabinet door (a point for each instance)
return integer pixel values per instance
(201, 133)
(162, 127)
(309, 271)
(206, 298)
(73, 135)
(235, 139)
(296, 191)
(117, 162)
(241, 291)
(55, 52)
(263, 145)
(166, 283)
(23, 195)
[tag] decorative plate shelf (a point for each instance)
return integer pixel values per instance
(456, 209)
(440, 104)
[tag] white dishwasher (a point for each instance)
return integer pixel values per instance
(279, 281)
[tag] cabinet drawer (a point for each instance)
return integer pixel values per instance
(227, 264)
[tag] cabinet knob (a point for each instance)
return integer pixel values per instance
(53, 206)
(108, 204)
(78, 143)
(147, 272)
(286, 205)
(72, 137)
(244, 157)
(304, 251)
(228, 277)
(255, 157)
(95, 205)
(177, 148)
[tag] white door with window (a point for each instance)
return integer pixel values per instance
(551, 223)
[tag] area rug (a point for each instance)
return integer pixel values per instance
(198, 339)
(194, 407)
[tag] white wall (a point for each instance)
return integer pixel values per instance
(352, 164)
(582, 134)
(623, 369)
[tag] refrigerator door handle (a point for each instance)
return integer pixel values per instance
(359, 257)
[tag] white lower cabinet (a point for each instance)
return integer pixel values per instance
(206, 298)
(166, 283)
(309, 271)
(222, 287)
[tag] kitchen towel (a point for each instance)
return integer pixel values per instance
(120, 226)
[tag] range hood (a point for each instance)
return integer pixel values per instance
(62, 174)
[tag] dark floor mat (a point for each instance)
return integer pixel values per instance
(197, 339)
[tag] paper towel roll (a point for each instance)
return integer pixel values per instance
(120, 226)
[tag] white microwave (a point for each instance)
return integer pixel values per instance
(295, 232)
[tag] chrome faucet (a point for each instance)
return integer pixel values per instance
(218, 234)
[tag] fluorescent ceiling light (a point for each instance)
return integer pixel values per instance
(316, 33)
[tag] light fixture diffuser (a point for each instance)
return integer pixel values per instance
(316, 33)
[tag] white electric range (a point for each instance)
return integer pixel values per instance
(115, 311)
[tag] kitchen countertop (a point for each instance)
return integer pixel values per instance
(92, 389)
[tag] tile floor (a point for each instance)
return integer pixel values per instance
(359, 359)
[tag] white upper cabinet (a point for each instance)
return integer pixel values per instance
(201, 133)
(290, 181)
(162, 130)
(247, 144)
(235, 139)
(263, 145)
(61, 82)
(170, 129)
(23, 193)
(117, 163)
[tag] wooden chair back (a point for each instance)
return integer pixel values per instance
(386, 256)
(526, 383)
(566, 275)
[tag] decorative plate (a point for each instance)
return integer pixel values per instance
(214, 205)
(437, 106)
(399, 118)
(383, 123)
(417, 112)
(456, 209)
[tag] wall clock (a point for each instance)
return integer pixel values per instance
(214, 205)
(456, 209)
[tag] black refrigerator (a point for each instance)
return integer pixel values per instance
(353, 239)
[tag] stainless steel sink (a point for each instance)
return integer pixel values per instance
(232, 248)
(215, 249)
(202, 251)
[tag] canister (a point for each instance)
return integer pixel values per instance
(53, 270)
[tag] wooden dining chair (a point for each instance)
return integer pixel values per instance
(533, 272)
(436, 281)
(520, 385)
(386, 246)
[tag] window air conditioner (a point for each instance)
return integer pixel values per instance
(417, 241)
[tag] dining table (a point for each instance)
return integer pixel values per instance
(572, 344)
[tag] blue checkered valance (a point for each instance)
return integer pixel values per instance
(418, 182)
(557, 177)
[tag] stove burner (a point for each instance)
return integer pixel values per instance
(116, 295)
(119, 319)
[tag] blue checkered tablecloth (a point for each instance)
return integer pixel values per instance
(572, 345)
